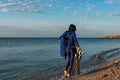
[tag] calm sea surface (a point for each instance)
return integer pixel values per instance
(27, 56)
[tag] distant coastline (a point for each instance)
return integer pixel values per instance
(112, 37)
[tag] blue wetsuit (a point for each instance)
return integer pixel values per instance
(71, 45)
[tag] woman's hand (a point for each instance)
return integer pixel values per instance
(78, 48)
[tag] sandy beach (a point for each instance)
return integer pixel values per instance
(106, 71)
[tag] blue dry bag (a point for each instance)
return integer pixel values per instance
(63, 45)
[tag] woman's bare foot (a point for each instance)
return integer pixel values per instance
(66, 74)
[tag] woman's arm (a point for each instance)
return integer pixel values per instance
(76, 42)
(75, 39)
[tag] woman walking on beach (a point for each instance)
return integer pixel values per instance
(71, 48)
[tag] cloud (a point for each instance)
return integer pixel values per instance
(90, 6)
(25, 6)
(92, 30)
(34, 6)
(29, 6)
(114, 14)
(50, 6)
(109, 2)
(36, 31)
(4, 10)
(21, 11)
(65, 8)
(85, 16)
(11, 0)
(21, 7)
(26, 11)
(75, 12)
(97, 14)
(6, 4)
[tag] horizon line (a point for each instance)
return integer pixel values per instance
(58, 37)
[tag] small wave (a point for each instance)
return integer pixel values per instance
(99, 59)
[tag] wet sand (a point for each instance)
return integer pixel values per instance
(107, 71)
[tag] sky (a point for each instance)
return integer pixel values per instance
(50, 18)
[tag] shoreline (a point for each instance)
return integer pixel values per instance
(106, 71)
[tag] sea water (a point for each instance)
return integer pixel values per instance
(29, 56)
